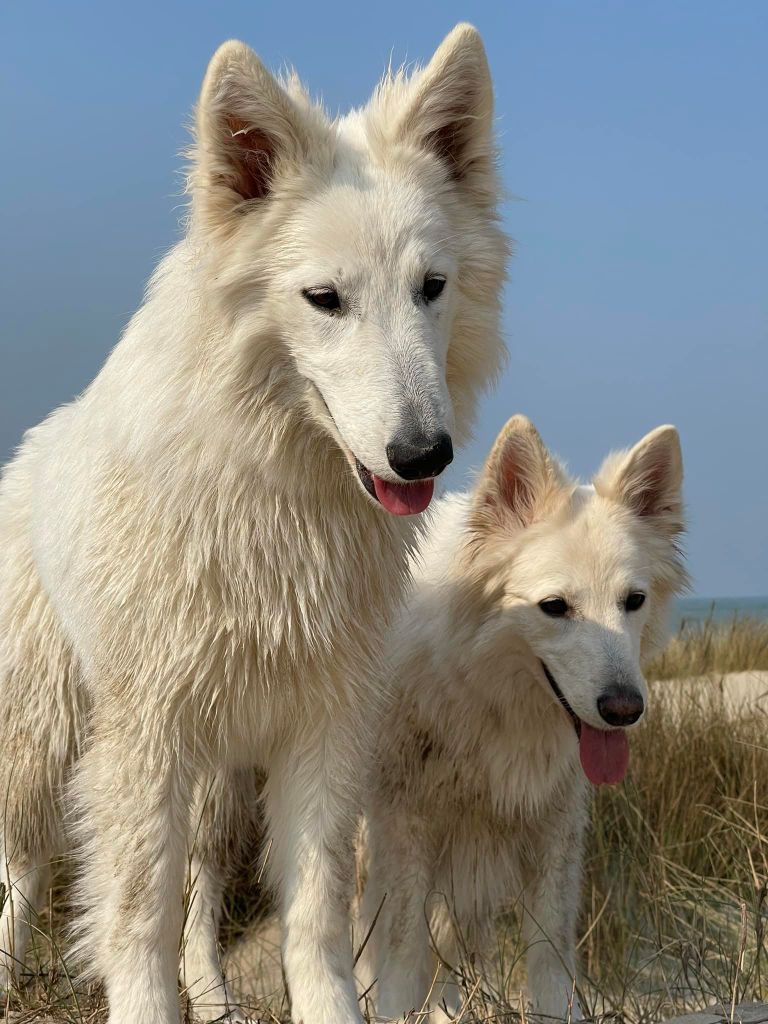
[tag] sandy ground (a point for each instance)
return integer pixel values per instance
(743, 693)
(254, 968)
(742, 1013)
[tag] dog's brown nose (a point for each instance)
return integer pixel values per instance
(621, 706)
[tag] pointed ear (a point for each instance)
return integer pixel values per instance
(449, 109)
(248, 126)
(518, 477)
(648, 478)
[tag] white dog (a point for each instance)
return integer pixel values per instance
(517, 657)
(200, 556)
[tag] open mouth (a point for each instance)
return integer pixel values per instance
(604, 753)
(399, 499)
(575, 720)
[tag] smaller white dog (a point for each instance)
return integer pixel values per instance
(517, 667)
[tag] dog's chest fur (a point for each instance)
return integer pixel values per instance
(480, 758)
(228, 566)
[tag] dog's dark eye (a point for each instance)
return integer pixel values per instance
(326, 299)
(556, 607)
(432, 288)
(634, 601)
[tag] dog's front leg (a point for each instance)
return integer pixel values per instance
(225, 824)
(312, 800)
(401, 878)
(134, 806)
(201, 966)
(551, 904)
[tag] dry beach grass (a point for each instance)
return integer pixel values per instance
(675, 894)
(713, 649)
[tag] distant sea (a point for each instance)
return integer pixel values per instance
(718, 609)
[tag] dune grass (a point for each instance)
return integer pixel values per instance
(675, 901)
(678, 856)
(709, 648)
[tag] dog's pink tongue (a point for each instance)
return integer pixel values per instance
(604, 755)
(404, 499)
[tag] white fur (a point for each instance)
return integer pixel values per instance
(479, 801)
(188, 561)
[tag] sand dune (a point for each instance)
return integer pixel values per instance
(741, 693)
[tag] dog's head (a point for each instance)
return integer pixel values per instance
(583, 574)
(365, 250)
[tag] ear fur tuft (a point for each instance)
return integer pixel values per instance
(648, 478)
(248, 126)
(445, 108)
(518, 479)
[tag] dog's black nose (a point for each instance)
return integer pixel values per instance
(419, 457)
(621, 705)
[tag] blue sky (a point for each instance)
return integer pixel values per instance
(635, 153)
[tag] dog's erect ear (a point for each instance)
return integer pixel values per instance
(449, 108)
(518, 476)
(248, 126)
(648, 478)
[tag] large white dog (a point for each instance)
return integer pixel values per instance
(517, 661)
(199, 557)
